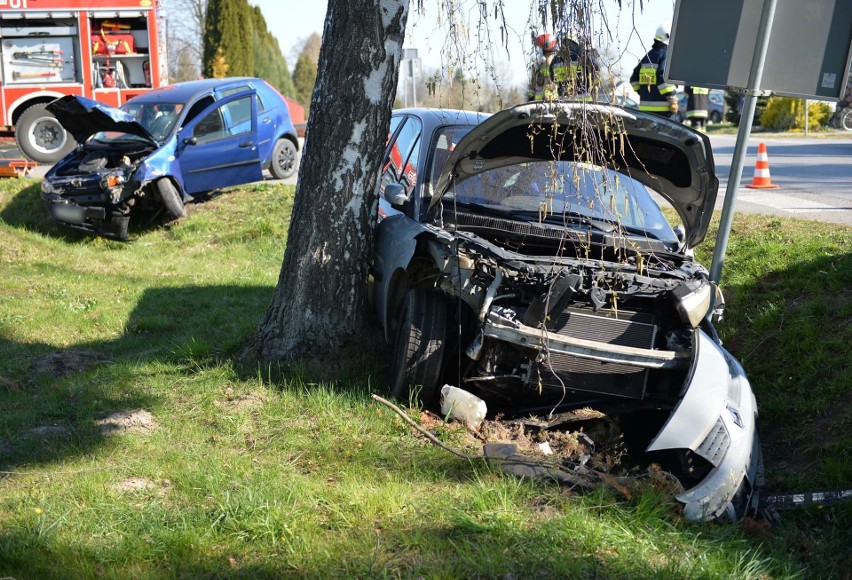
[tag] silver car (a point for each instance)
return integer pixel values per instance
(522, 257)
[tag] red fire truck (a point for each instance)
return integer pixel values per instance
(107, 50)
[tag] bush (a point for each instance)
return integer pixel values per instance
(786, 113)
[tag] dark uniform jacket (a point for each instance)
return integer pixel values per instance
(698, 102)
(647, 80)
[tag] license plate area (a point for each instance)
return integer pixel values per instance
(73, 214)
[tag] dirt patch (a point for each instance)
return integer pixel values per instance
(135, 484)
(138, 421)
(64, 363)
(44, 431)
(235, 402)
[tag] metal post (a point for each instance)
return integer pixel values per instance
(806, 117)
(746, 119)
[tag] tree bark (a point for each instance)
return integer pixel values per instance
(319, 303)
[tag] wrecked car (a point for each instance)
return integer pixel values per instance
(523, 257)
(165, 148)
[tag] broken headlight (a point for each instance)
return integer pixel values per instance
(693, 300)
(113, 183)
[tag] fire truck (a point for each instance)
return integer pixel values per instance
(107, 50)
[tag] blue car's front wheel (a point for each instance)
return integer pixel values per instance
(170, 196)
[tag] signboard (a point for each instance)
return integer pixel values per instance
(810, 46)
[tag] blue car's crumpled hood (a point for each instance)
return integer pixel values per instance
(84, 117)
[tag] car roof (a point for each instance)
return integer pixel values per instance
(186, 91)
(436, 117)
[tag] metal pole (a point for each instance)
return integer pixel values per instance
(806, 117)
(746, 119)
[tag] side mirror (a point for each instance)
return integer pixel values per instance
(680, 232)
(395, 194)
(190, 140)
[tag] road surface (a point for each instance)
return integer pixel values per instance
(813, 175)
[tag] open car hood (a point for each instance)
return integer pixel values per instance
(84, 117)
(670, 158)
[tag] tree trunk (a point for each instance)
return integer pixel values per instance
(319, 303)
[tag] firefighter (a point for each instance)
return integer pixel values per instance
(697, 106)
(540, 71)
(576, 70)
(655, 94)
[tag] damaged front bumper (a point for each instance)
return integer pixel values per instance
(717, 420)
(90, 218)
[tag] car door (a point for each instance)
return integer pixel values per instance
(219, 147)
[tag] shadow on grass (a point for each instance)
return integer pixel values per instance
(51, 398)
(792, 329)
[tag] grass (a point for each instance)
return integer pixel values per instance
(260, 472)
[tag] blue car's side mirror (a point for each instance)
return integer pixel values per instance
(190, 140)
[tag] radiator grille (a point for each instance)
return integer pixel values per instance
(580, 374)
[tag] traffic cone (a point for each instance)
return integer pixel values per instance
(761, 179)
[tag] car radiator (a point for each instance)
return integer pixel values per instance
(581, 374)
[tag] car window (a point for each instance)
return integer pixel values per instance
(157, 118)
(197, 107)
(445, 141)
(237, 115)
(401, 161)
(210, 128)
(551, 189)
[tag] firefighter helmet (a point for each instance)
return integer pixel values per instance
(663, 33)
(546, 42)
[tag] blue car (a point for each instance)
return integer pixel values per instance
(164, 149)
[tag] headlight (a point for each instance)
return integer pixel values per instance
(112, 180)
(46, 187)
(693, 301)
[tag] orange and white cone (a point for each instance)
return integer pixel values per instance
(761, 179)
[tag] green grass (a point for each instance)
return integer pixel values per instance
(252, 472)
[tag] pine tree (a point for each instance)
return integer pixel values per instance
(228, 23)
(268, 60)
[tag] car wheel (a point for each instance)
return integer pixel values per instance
(284, 159)
(846, 120)
(171, 198)
(715, 117)
(418, 351)
(41, 137)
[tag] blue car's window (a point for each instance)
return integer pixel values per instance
(158, 118)
(237, 116)
(210, 127)
(550, 189)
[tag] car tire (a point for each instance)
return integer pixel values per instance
(418, 350)
(171, 198)
(715, 117)
(285, 158)
(41, 137)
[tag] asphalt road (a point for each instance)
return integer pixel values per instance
(813, 175)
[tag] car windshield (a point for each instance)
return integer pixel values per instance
(158, 118)
(554, 190)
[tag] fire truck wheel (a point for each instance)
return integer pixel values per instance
(285, 158)
(41, 137)
(171, 198)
